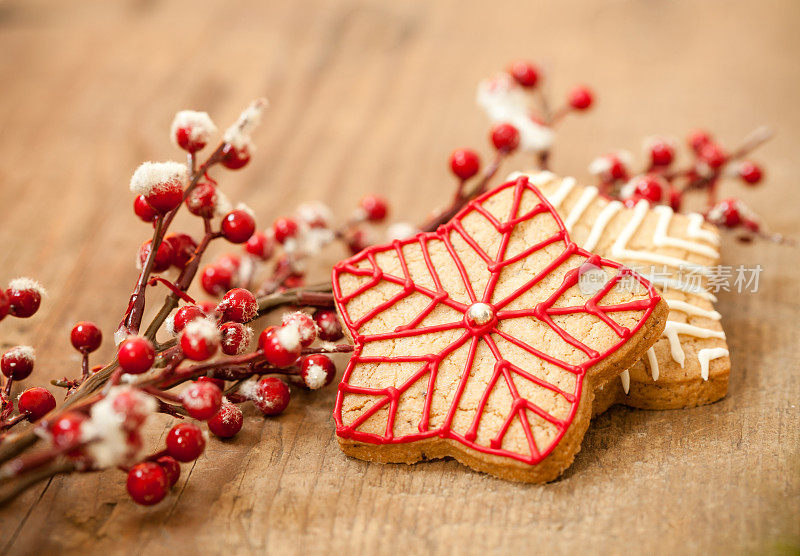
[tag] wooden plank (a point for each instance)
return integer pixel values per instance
(371, 96)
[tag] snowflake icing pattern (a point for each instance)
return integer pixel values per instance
(413, 377)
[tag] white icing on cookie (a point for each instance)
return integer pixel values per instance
(673, 329)
(625, 377)
(706, 355)
(653, 361)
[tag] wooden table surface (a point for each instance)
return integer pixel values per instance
(372, 96)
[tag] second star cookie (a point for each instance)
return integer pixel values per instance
(485, 340)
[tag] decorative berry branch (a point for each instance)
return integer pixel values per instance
(205, 369)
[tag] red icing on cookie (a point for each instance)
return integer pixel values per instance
(480, 321)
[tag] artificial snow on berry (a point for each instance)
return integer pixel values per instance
(192, 130)
(36, 402)
(24, 297)
(305, 325)
(136, 355)
(202, 400)
(317, 370)
(280, 345)
(161, 183)
(235, 338)
(227, 422)
(238, 305)
(648, 186)
(184, 316)
(234, 158)
(330, 330)
(713, 155)
(86, 337)
(199, 339)
(202, 200)
(271, 396)
(17, 363)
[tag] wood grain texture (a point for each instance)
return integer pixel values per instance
(371, 96)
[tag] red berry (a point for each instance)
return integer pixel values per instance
(238, 225)
(616, 169)
(186, 141)
(505, 137)
(235, 338)
(227, 422)
(147, 483)
(184, 316)
(216, 279)
(358, 240)
(524, 73)
(281, 345)
(199, 340)
(661, 153)
(136, 355)
(218, 382)
(163, 259)
(208, 307)
(260, 246)
(699, 139)
(183, 249)
(330, 330)
(202, 200)
(271, 396)
(24, 297)
(17, 363)
(166, 198)
(132, 406)
(185, 442)
(36, 402)
(143, 209)
(202, 400)
(580, 97)
(726, 213)
(284, 228)
(317, 371)
(5, 305)
(750, 172)
(464, 163)
(233, 158)
(374, 207)
(86, 336)
(675, 199)
(171, 467)
(713, 155)
(65, 430)
(238, 305)
(649, 187)
(305, 326)
(231, 261)
(293, 281)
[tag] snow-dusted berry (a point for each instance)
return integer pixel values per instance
(128, 407)
(36, 402)
(726, 213)
(260, 245)
(147, 483)
(235, 338)
(305, 325)
(505, 137)
(163, 258)
(238, 305)
(143, 210)
(374, 208)
(713, 155)
(227, 422)
(284, 228)
(315, 215)
(698, 139)
(280, 345)
(202, 400)
(171, 467)
(216, 279)
(183, 249)
(192, 130)
(611, 166)
(184, 316)
(330, 330)
(648, 186)
(750, 172)
(24, 297)
(17, 363)
(85, 336)
(202, 200)
(661, 151)
(238, 225)
(271, 395)
(199, 339)
(358, 240)
(317, 370)
(136, 355)
(161, 183)
(464, 163)
(185, 442)
(580, 97)
(234, 158)
(65, 430)
(524, 73)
